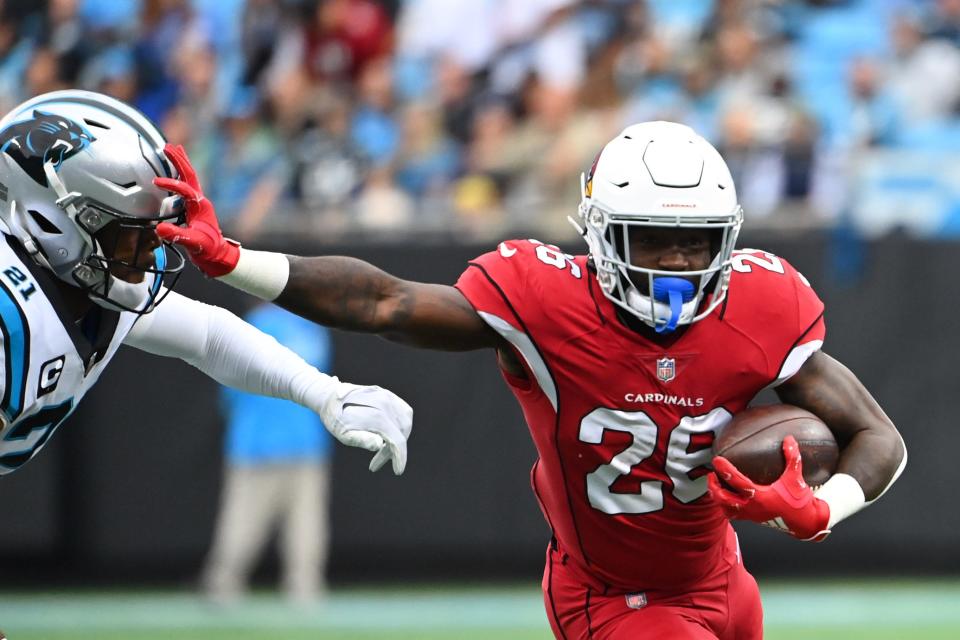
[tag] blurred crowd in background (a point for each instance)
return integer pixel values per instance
(475, 118)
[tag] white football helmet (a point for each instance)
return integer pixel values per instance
(72, 162)
(659, 174)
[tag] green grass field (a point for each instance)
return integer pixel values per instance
(879, 610)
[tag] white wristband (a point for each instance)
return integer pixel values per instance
(844, 495)
(260, 273)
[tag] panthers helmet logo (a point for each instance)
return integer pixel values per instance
(43, 138)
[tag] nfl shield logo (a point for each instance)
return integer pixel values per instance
(666, 369)
(636, 600)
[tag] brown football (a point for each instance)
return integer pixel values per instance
(752, 442)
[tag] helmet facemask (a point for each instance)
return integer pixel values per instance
(117, 272)
(635, 289)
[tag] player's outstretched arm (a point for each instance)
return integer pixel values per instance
(238, 355)
(351, 294)
(339, 292)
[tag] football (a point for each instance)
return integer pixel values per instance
(752, 442)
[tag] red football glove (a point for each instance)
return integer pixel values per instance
(788, 504)
(201, 237)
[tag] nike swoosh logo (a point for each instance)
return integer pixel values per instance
(356, 404)
(505, 251)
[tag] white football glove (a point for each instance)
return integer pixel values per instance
(371, 418)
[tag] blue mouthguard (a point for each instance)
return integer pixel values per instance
(673, 291)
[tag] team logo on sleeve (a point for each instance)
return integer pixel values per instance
(666, 369)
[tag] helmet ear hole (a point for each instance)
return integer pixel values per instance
(44, 223)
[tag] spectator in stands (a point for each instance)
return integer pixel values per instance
(704, 63)
(922, 74)
(457, 98)
(373, 129)
(744, 73)
(327, 169)
(16, 53)
(465, 33)
(198, 70)
(872, 114)
(489, 165)
(381, 204)
(167, 26)
(276, 477)
(343, 37)
(64, 34)
(428, 160)
(43, 73)
(756, 167)
(246, 168)
(645, 74)
(944, 21)
(540, 38)
(113, 71)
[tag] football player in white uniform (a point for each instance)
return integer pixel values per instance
(83, 271)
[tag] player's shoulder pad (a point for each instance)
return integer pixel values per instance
(765, 288)
(521, 275)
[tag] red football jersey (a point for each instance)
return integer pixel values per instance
(623, 425)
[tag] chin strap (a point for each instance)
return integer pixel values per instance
(672, 291)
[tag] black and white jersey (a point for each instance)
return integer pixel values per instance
(48, 361)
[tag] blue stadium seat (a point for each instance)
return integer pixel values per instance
(916, 191)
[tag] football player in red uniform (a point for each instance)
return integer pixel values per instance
(627, 362)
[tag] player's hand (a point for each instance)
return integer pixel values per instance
(371, 418)
(788, 504)
(213, 254)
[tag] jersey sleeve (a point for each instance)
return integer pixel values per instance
(808, 328)
(804, 328)
(496, 285)
(778, 308)
(508, 296)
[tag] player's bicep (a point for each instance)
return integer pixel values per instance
(830, 390)
(872, 450)
(433, 316)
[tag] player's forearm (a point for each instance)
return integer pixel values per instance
(339, 292)
(239, 355)
(351, 294)
(343, 292)
(230, 351)
(875, 457)
(872, 451)
(869, 465)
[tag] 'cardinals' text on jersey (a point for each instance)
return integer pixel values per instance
(624, 424)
